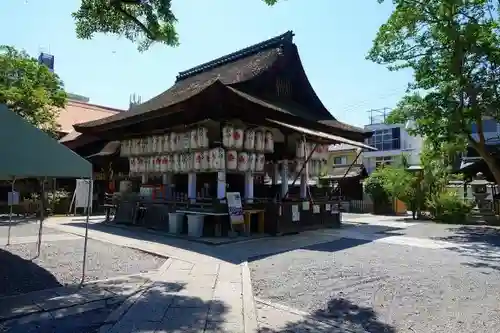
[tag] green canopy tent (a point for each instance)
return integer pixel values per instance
(28, 152)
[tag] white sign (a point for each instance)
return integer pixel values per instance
(315, 209)
(83, 186)
(234, 207)
(305, 205)
(327, 207)
(295, 213)
(13, 198)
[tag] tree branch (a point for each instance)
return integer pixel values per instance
(133, 19)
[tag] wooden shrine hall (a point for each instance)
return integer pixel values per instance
(194, 158)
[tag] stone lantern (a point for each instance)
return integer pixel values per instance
(479, 188)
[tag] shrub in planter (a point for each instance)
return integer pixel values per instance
(374, 187)
(448, 207)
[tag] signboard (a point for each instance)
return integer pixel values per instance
(13, 198)
(234, 207)
(82, 193)
(295, 213)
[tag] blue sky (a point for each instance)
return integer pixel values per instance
(333, 38)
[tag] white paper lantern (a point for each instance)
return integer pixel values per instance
(177, 163)
(205, 160)
(238, 137)
(249, 140)
(227, 136)
(163, 163)
(300, 149)
(252, 161)
(158, 167)
(166, 143)
(182, 162)
(131, 164)
(173, 142)
(261, 162)
(189, 162)
(268, 142)
(203, 137)
(141, 165)
(193, 139)
(149, 145)
(154, 144)
(259, 141)
(185, 141)
(232, 160)
(171, 163)
(197, 160)
(217, 159)
(243, 161)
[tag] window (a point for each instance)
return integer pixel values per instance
(384, 160)
(386, 139)
(338, 160)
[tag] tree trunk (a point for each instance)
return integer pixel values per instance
(490, 161)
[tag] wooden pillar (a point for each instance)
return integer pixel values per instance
(276, 173)
(304, 180)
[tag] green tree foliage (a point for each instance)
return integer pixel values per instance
(143, 22)
(30, 89)
(453, 48)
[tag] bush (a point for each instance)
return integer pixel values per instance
(448, 207)
(374, 187)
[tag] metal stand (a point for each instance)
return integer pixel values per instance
(10, 213)
(42, 215)
(84, 264)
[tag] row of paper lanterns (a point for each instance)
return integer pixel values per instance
(199, 161)
(303, 150)
(166, 143)
(259, 140)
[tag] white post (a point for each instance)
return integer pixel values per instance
(284, 178)
(276, 173)
(89, 198)
(221, 184)
(192, 187)
(249, 184)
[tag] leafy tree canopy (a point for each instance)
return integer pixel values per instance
(453, 48)
(143, 22)
(30, 89)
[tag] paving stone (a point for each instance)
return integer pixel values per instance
(134, 326)
(180, 265)
(205, 269)
(228, 287)
(224, 327)
(78, 309)
(149, 307)
(16, 306)
(183, 320)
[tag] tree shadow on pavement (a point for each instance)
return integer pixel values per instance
(19, 276)
(163, 306)
(341, 316)
(479, 243)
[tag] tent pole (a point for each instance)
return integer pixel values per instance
(89, 198)
(42, 215)
(10, 213)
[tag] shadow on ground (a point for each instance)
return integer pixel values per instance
(476, 242)
(252, 248)
(19, 276)
(340, 316)
(161, 306)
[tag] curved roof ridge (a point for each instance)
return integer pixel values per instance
(250, 50)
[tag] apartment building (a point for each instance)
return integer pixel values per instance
(391, 140)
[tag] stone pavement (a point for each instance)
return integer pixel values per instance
(23, 312)
(186, 297)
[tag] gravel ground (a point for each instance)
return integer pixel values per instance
(385, 288)
(60, 263)
(25, 229)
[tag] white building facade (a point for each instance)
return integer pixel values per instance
(391, 141)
